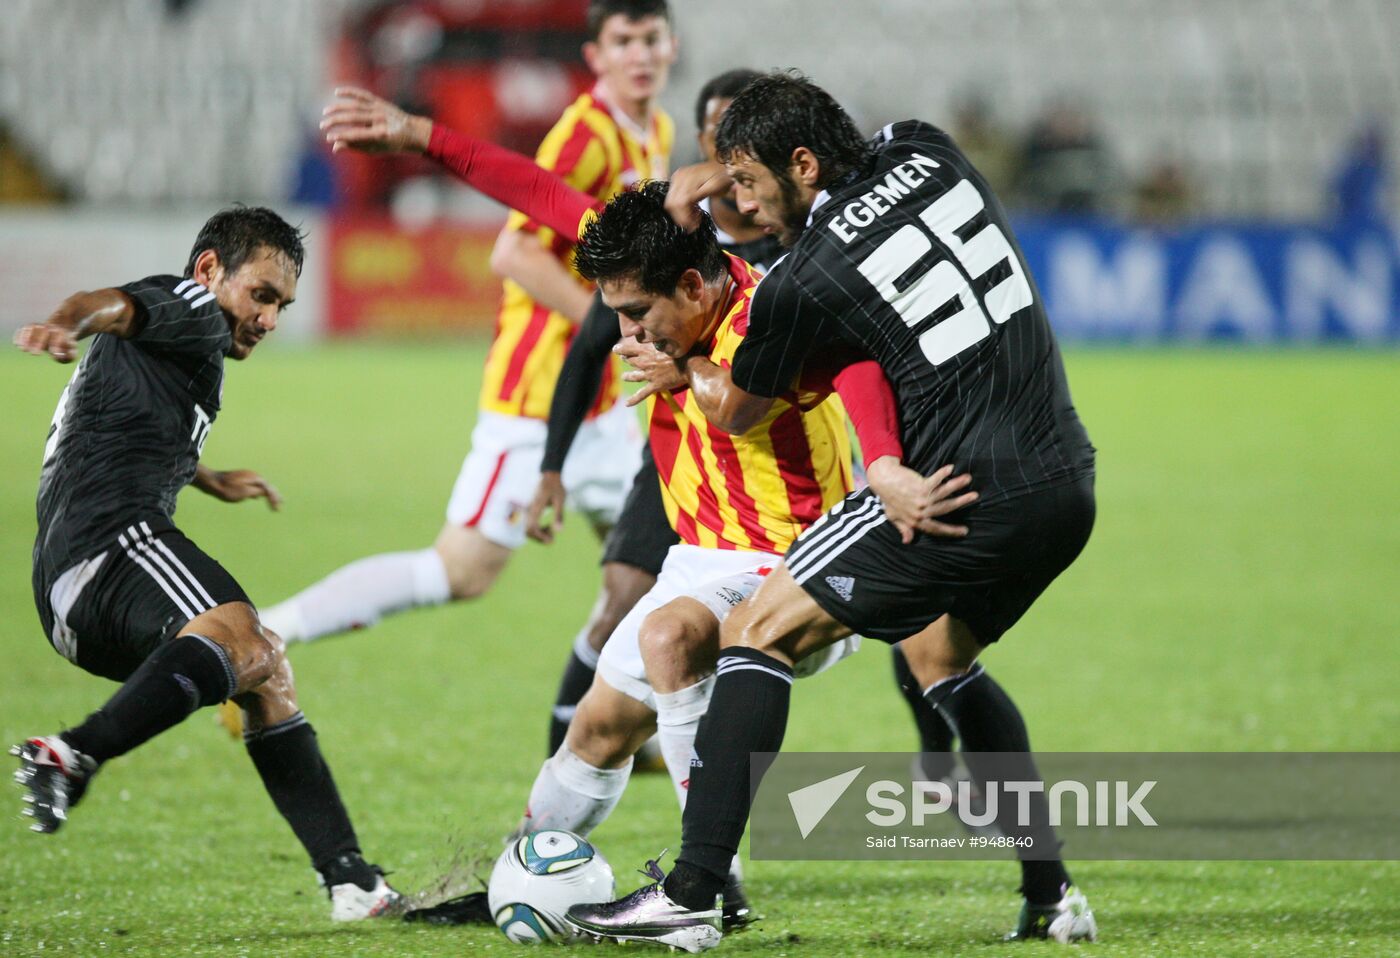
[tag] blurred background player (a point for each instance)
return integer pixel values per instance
(610, 138)
(121, 592)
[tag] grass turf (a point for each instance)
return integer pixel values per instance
(1233, 597)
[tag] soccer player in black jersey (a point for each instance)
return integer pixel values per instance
(899, 250)
(120, 590)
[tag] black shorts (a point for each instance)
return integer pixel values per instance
(854, 565)
(643, 534)
(108, 613)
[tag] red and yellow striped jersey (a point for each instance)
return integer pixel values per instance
(757, 491)
(598, 154)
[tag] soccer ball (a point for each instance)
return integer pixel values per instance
(539, 877)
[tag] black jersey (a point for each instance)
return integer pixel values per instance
(915, 265)
(131, 424)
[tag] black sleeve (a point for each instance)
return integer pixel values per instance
(785, 326)
(579, 380)
(175, 315)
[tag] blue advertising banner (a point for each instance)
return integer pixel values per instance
(1243, 283)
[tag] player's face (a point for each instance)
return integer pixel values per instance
(633, 57)
(253, 297)
(672, 324)
(779, 204)
(714, 112)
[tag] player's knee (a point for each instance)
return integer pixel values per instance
(673, 649)
(471, 561)
(262, 656)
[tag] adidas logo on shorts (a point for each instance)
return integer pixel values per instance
(842, 585)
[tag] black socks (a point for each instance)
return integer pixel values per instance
(578, 677)
(289, 760)
(748, 713)
(985, 719)
(181, 676)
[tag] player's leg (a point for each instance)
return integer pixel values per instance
(580, 784)
(623, 585)
(484, 524)
(760, 640)
(284, 749)
(121, 623)
(625, 506)
(935, 737)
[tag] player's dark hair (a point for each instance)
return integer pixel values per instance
(781, 111)
(726, 86)
(600, 10)
(635, 238)
(236, 234)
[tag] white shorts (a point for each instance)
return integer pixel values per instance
(502, 471)
(718, 579)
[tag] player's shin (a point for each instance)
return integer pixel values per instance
(573, 685)
(181, 676)
(748, 713)
(572, 795)
(987, 721)
(935, 736)
(297, 778)
(678, 716)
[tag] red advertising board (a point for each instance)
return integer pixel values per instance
(390, 280)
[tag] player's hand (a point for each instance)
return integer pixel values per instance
(236, 485)
(691, 184)
(649, 365)
(913, 503)
(549, 497)
(42, 338)
(357, 119)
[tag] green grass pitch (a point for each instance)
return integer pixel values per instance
(1239, 593)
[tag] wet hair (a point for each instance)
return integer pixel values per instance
(238, 232)
(781, 111)
(600, 10)
(635, 238)
(726, 86)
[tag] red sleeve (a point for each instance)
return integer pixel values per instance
(512, 179)
(869, 401)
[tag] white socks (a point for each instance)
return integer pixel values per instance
(677, 719)
(358, 594)
(573, 795)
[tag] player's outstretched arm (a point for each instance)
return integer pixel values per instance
(79, 316)
(235, 485)
(724, 404)
(357, 119)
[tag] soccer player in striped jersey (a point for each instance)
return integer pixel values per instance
(121, 592)
(642, 534)
(612, 137)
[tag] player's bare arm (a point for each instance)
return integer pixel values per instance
(519, 257)
(79, 316)
(724, 404)
(690, 185)
(235, 485)
(357, 119)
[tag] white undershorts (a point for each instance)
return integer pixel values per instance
(501, 472)
(718, 579)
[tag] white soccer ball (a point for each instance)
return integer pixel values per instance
(539, 877)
